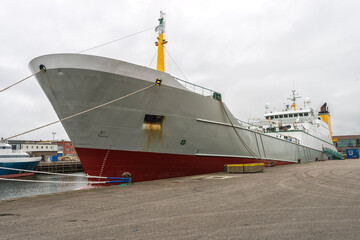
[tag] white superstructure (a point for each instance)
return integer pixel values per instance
(303, 126)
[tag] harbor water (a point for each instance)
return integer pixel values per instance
(11, 189)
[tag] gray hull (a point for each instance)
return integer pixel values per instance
(74, 83)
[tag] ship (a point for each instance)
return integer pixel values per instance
(305, 126)
(16, 164)
(129, 120)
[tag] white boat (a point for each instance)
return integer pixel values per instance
(15, 160)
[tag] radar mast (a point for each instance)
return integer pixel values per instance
(293, 98)
(160, 29)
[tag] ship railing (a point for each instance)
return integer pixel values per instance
(276, 121)
(250, 126)
(287, 138)
(17, 151)
(257, 127)
(273, 124)
(196, 88)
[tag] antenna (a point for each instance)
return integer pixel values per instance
(293, 84)
(293, 98)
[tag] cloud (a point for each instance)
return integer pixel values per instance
(252, 52)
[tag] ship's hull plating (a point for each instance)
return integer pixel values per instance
(18, 164)
(145, 166)
(195, 136)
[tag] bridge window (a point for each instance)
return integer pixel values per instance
(291, 115)
(306, 114)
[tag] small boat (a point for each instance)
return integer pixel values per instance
(16, 160)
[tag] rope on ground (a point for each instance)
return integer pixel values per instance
(116, 40)
(80, 113)
(49, 181)
(66, 182)
(2, 90)
(61, 174)
(238, 135)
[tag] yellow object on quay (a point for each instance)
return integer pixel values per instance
(244, 168)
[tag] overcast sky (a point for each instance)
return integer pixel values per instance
(253, 52)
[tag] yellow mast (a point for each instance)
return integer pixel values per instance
(160, 43)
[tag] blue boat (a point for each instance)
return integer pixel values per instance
(16, 160)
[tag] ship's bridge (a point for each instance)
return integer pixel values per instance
(289, 114)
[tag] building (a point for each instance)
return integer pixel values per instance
(342, 143)
(41, 149)
(48, 150)
(66, 148)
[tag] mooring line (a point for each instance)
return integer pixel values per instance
(64, 182)
(77, 114)
(130, 35)
(67, 182)
(2, 90)
(50, 181)
(238, 135)
(61, 174)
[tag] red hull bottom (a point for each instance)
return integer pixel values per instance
(16, 175)
(145, 166)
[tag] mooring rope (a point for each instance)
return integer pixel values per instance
(49, 181)
(65, 182)
(2, 90)
(61, 174)
(238, 135)
(77, 114)
(130, 35)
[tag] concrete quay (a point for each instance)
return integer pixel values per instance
(318, 200)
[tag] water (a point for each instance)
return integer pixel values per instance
(9, 189)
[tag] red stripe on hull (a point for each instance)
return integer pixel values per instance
(17, 175)
(145, 166)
